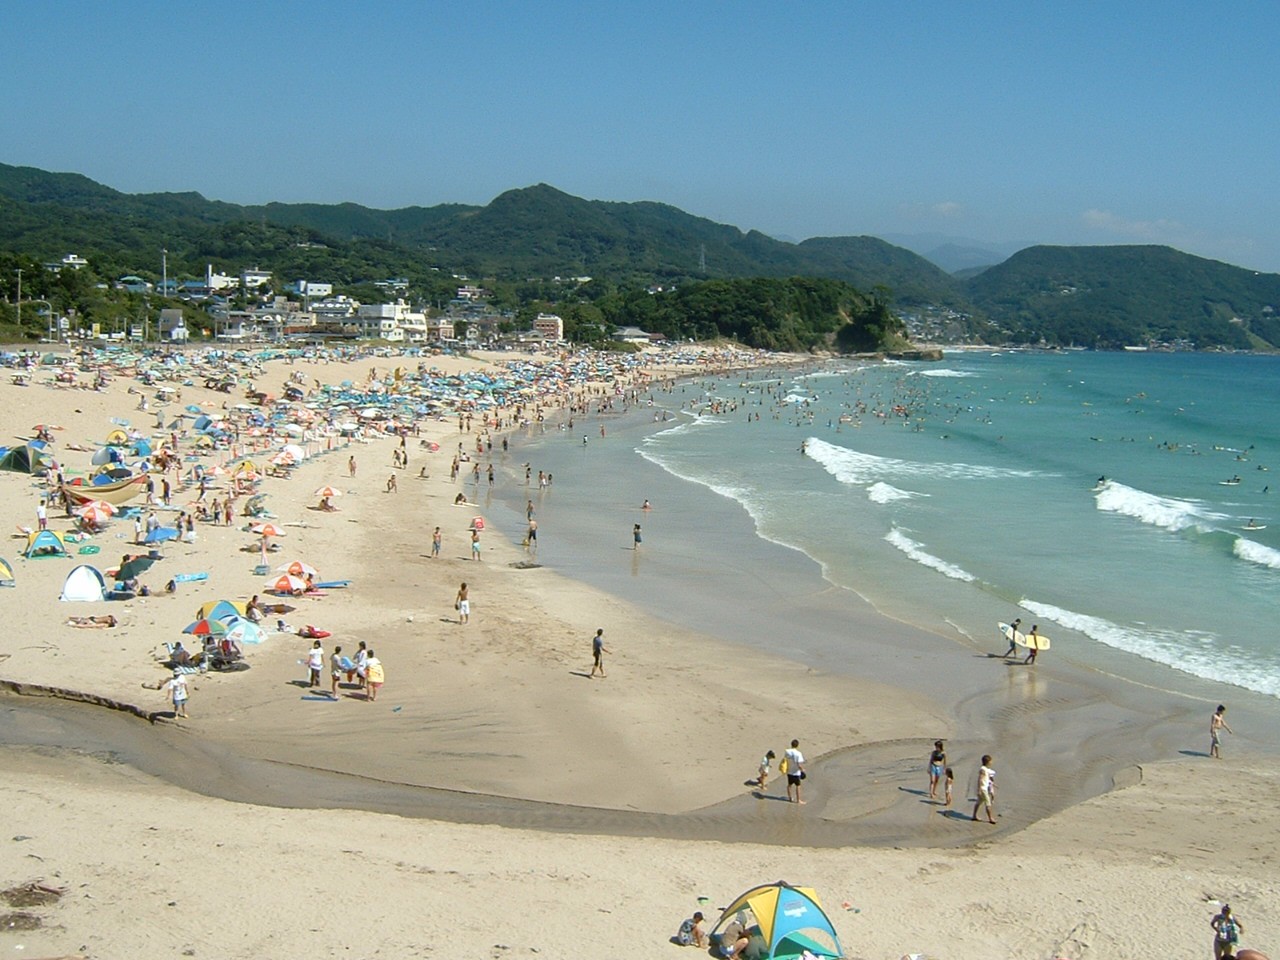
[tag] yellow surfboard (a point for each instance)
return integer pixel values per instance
(1038, 642)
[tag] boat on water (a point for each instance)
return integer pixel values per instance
(1234, 481)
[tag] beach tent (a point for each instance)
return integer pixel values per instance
(25, 458)
(117, 438)
(6, 574)
(84, 584)
(221, 610)
(44, 543)
(790, 921)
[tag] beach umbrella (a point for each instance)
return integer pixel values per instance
(132, 568)
(206, 628)
(161, 534)
(107, 509)
(220, 610)
(94, 516)
(288, 584)
(241, 631)
(299, 568)
(327, 491)
(265, 530)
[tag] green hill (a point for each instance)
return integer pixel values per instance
(1104, 297)
(536, 231)
(1107, 297)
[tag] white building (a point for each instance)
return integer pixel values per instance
(72, 261)
(386, 321)
(310, 289)
(255, 278)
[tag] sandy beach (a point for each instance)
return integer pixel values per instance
(497, 801)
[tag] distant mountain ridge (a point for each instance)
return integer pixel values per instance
(1092, 296)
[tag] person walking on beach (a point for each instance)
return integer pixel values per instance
(531, 537)
(598, 650)
(435, 544)
(375, 677)
(635, 537)
(1226, 933)
(795, 771)
(462, 604)
(1033, 644)
(176, 688)
(42, 515)
(947, 784)
(986, 790)
(315, 663)
(1013, 632)
(351, 466)
(1217, 723)
(762, 775)
(937, 764)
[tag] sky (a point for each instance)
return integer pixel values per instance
(1003, 123)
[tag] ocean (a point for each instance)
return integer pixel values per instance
(1122, 502)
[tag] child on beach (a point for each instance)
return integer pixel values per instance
(375, 676)
(762, 776)
(177, 690)
(950, 778)
(692, 932)
(337, 667)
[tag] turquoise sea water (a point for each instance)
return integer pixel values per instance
(964, 492)
(975, 501)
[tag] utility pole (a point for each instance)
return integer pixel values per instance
(19, 301)
(164, 272)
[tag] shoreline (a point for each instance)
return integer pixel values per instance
(847, 752)
(636, 812)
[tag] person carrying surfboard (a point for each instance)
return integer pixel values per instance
(1012, 635)
(1033, 644)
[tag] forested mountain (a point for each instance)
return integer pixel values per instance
(532, 232)
(1108, 297)
(1103, 297)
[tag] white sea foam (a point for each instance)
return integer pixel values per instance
(882, 492)
(1171, 513)
(799, 398)
(917, 553)
(1255, 552)
(944, 372)
(1199, 654)
(853, 467)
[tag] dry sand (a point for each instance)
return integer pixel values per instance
(502, 706)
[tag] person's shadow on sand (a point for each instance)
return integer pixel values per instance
(953, 814)
(777, 798)
(579, 673)
(1193, 753)
(918, 793)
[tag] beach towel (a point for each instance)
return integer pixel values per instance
(190, 577)
(89, 550)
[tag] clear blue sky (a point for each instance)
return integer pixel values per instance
(1079, 122)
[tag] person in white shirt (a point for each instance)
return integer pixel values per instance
(795, 771)
(986, 790)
